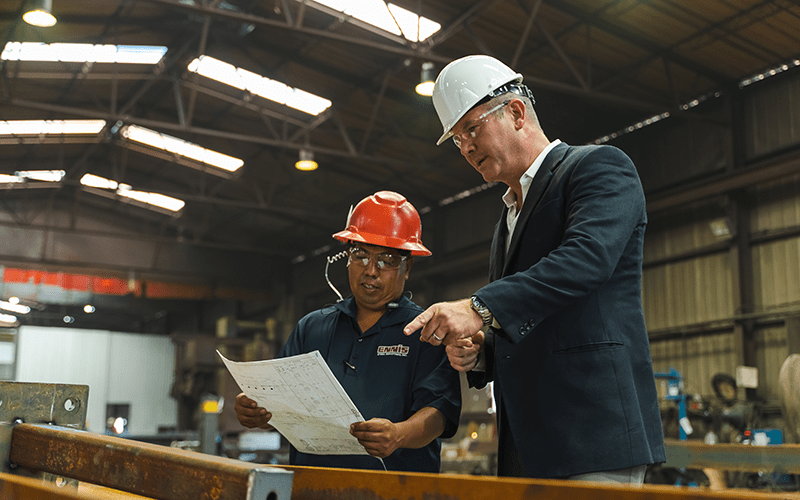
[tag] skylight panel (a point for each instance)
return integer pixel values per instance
(180, 147)
(386, 16)
(414, 27)
(373, 12)
(83, 52)
(50, 127)
(254, 83)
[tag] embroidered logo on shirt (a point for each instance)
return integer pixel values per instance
(393, 350)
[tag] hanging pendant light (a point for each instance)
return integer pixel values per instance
(39, 13)
(425, 86)
(306, 162)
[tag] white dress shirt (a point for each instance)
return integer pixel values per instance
(510, 199)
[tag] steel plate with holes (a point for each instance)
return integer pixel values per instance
(58, 404)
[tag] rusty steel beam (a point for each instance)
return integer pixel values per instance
(16, 487)
(26, 488)
(315, 483)
(167, 473)
(783, 458)
(145, 469)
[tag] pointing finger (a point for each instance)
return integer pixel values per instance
(418, 322)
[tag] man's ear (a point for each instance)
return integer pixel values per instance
(409, 263)
(518, 112)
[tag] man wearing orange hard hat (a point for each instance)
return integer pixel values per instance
(406, 390)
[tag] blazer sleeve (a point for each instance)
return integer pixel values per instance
(598, 194)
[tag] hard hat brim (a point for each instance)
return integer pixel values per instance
(444, 137)
(416, 249)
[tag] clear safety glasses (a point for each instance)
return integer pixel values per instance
(471, 130)
(385, 261)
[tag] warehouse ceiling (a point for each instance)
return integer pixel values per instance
(595, 66)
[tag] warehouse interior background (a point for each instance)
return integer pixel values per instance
(134, 299)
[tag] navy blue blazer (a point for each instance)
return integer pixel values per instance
(571, 364)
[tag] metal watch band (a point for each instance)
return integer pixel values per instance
(482, 310)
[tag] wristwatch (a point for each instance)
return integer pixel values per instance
(483, 311)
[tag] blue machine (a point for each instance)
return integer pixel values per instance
(674, 392)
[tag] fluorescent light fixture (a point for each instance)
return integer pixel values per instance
(180, 147)
(17, 308)
(42, 175)
(10, 179)
(385, 16)
(259, 85)
(126, 191)
(8, 318)
(39, 13)
(155, 199)
(50, 127)
(98, 182)
(83, 52)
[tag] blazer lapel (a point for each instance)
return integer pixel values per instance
(538, 186)
(497, 254)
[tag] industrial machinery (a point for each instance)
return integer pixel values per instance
(723, 420)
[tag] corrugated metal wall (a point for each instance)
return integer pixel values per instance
(772, 120)
(776, 263)
(688, 292)
(698, 358)
(678, 292)
(691, 277)
(771, 352)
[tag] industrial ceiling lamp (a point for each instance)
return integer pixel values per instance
(425, 86)
(306, 162)
(39, 13)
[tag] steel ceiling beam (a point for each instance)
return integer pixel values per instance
(423, 52)
(270, 23)
(525, 33)
(206, 132)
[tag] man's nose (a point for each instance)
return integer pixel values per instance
(467, 146)
(372, 266)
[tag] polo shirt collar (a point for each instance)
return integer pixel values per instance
(391, 317)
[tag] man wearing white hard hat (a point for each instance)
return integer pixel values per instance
(560, 328)
(406, 390)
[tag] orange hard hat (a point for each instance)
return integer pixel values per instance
(385, 219)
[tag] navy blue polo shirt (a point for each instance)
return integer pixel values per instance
(386, 374)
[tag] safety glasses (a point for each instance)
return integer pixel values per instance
(384, 261)
(471, 130)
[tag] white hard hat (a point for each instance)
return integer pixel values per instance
(464, 83)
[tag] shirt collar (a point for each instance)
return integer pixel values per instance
(509, 198)
(390, 316)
